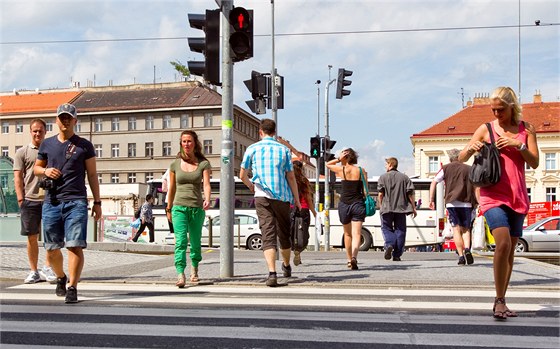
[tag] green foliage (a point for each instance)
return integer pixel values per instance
(181, 68)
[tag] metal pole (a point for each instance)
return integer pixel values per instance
(326, 155)
(317, 173)
(273, 75)
(226, 165)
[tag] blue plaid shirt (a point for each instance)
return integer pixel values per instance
(269, 161)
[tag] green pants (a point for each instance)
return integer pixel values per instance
(187, 223)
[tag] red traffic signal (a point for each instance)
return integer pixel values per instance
(241, 37)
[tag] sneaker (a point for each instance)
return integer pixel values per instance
(287, 270)
(272, 280)
(297, 258)
(461, 260)
(354, 264)
(71, 295)
(469, 257)
(48, 275)
(32, 278)
(61, 286)
(396, 259)
(388, 252)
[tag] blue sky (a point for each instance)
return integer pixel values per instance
(405, 79)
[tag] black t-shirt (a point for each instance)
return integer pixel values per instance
(70, 158)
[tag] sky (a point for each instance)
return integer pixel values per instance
(414, 62)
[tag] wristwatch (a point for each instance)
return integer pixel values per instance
(97, 203)
(522, 147)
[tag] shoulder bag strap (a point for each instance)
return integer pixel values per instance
(491, 133)
(366, 191)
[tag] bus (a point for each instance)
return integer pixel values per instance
(424, 230)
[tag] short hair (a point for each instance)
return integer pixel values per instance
(149, 197)
(453, 154)
(268, 126)
(38, 120)
(393, 162)
(507, 95)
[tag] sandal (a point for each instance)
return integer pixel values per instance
(511, 313)
(349, 265)
(180, 280)
(194, 274)
(499, 315)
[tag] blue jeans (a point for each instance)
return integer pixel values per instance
(503, 216)
(393, 228)
(65, 224)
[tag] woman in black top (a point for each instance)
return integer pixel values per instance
(351, 208)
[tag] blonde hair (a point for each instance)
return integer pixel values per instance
(507, 95)
(393, 162)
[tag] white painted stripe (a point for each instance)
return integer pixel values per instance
(303, 335)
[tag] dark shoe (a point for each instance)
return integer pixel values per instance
(499, 315)
(461, 260)
(388, 252)
(396, 259)
(71, 295)
(272, 280)
(469, 257)
(287, 270)
(354, 264)
(61, 286)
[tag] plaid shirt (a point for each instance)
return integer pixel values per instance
(269, 161)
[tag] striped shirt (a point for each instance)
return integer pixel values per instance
(269, 161)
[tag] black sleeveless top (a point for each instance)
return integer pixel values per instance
(352, 191)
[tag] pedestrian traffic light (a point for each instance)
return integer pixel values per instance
(209, 46)
(315, 147)
(241, 37)
(328, 144)
(258, 88)
(341, 83)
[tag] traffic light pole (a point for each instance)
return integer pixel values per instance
(226, 164)
(317, 174)
(273, 77)
(326, 155)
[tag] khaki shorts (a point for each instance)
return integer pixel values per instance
(274, 222)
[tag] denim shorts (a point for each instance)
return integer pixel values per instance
(356, 212)
(503, 216)
(65, 224)
(460, 216)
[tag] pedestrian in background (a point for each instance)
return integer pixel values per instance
(459, 201)
(30, 201)
(146, 219)
(274, 184)
(506, 203)
(396, 201)
(62, 162)
(189, 176)
(307, 207)
(351, 206)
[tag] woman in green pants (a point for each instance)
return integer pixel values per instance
(189, 176)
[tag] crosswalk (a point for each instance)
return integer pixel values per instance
(213, 316)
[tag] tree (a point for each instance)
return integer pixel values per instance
(181, 68)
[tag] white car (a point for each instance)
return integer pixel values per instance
(541, 236)
(246, 231)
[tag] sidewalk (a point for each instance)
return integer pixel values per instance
(151, 263)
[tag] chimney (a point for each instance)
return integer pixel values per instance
(469, 103)
(481, 98)
(537, 98)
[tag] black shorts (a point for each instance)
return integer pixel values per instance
(31, 212)
(356, 212)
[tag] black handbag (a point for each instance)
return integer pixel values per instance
(486, 169)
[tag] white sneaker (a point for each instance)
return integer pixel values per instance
(48, 275)
(32, 278)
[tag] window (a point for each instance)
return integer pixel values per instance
(132, 123)
(131, 177)
(235, 149)
(166, 148)
(166, 121)
(149, 176)
(114, 178)
(208, 146)
(433, 164)
(115, 125)
(98, 151)
(550, 161)
(98, 124)
(5, 151)
(114, 150)
(4, 182)
(208, 119)
(5, 127)
(184, 121)
(99, 178)
(78, 127)
(550, 194)
(552, 224)
(131, 151)
(529, 193)
(49, 127)
(149, 122)
(19, 127)
(149, 149)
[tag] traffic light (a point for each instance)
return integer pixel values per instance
(328, 144)
(341, 83)
(315, 147)
(279, 92)
(241, 37)
(209, 46)
(258, 88)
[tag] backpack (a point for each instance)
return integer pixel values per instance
(486, 170)
(137, 213)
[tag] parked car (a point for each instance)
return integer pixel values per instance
(246, 231)
(541, 236)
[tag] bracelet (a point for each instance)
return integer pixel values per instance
(45, 171)
(97, 203)
(522, 147)
(168, 210)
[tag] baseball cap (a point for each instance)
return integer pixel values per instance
(67, 108)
